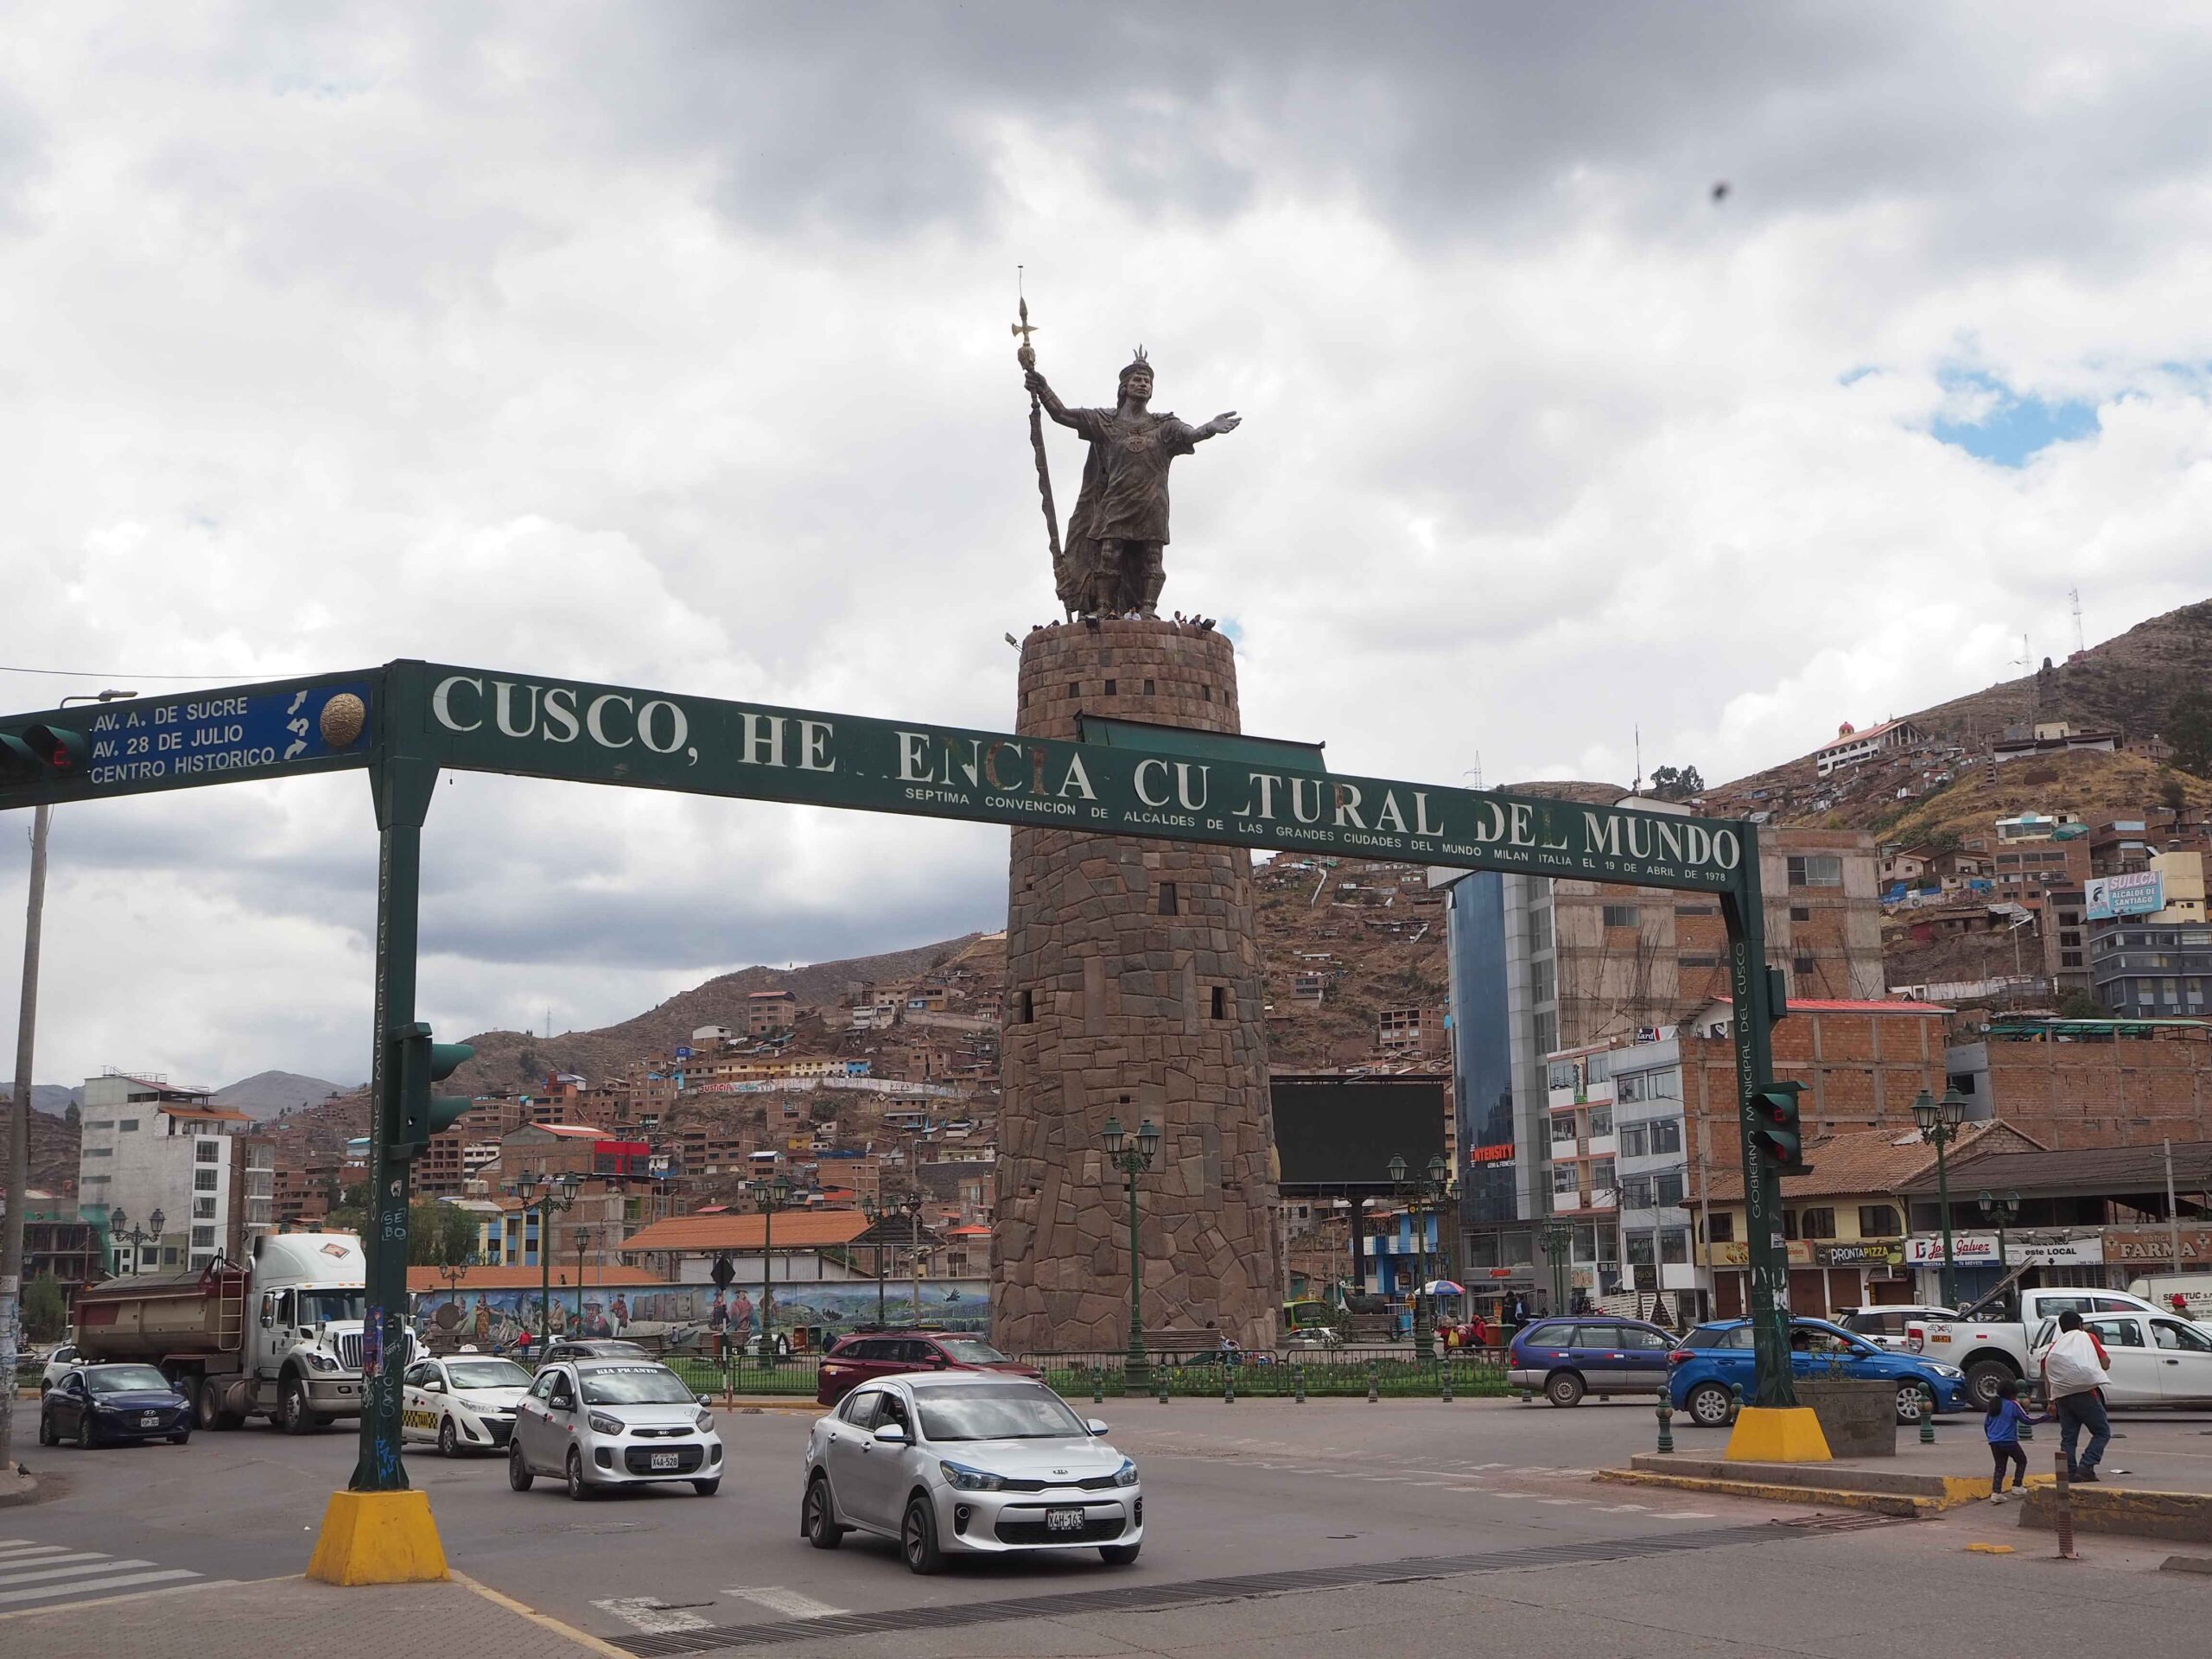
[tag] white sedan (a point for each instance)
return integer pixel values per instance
(465, 1401)
(2155, 1360)
(949, 1462)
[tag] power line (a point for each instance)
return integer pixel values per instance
(118, 674)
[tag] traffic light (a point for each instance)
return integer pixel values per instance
(1776, 1130)
(1778, 994)
(40, 754)
(420, 1063)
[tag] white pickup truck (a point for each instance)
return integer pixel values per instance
(1993, 1340)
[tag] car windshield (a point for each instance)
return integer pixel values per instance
(991, 1414)
(486, 1373)
(635, 1385)
(323, 1306)
(126, 1379)
(969, 1351)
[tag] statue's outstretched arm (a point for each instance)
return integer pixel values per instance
(1050, 399)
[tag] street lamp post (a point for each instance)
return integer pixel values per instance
(580, 1237)
(1131, 1157)
(1559, 1239)
(546, 1194)
(119, 1230)
(877, 1215)
(2003, 1211)
(768, 1197)
(1939, 1122)
(1420, 1198)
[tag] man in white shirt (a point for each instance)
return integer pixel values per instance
(2074, 1370)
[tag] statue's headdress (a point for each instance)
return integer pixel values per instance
(1139, 361)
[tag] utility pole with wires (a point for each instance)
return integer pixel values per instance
(19, 1122)
(2080, 642)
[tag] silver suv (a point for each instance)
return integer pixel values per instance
(613, 1422)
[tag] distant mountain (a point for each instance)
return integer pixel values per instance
(511, 1060)
(2130, 683)
(267, 1094)
(55, 1098)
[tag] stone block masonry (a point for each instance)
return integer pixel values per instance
(1132, 990)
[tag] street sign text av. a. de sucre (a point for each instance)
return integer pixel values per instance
(480, 720)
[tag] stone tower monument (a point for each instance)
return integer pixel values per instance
(1134, 991)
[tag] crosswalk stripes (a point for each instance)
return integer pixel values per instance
(32, 1572)
(789, 1603)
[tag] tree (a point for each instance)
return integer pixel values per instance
(2173, 794)
(2189, 728)
(351, 1212)
(2080, 1005)
(440, 1235)
(45, 1311)
(1671, 784)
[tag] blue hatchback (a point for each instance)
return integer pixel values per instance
(1593, 1353)
(1714, 1355)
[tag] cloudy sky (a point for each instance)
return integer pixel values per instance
(668, 346)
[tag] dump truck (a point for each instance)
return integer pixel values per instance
(281, 1336)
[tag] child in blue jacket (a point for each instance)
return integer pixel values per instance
(2000, 1426)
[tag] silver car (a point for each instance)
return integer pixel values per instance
(596, 1423)
(966, 1462)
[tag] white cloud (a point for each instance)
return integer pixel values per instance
(672, 351)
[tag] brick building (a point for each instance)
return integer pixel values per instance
(2074, 1084)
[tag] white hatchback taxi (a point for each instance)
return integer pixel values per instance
(965, 1462)
(597, 1423)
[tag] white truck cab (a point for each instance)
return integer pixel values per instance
(1994, 1338)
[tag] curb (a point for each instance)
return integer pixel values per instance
(2178, 1517)
(1891, 1503)
(23, 1488)
(1882, 1492)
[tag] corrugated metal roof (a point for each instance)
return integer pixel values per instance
(2089, 1171)
(795, 1230)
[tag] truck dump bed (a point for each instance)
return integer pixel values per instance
(152, 1316)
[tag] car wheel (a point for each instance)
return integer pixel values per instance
(1914, 1402)
(1708, 1405)
(1563, 1388)
(917, 1536)
(1984, 1379)
(86, 1439)
(180, 1437)
(207, 1401)
(1118, 1554)
(519, 1475)
(708, 1488)
(448, 1442)
(577, 1488)
(817, 1517)
(47, 1435)
(292, 1413)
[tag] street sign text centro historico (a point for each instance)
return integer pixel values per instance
(408, 720)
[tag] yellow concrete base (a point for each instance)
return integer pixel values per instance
(379, 1538)
(1774, 1434)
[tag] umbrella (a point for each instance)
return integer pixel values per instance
(1444, 1287)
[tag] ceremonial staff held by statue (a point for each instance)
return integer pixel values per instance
(1111, 563)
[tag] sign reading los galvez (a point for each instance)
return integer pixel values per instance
(480, 720)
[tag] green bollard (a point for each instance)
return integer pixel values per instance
(1374, 1382)
(1228, 1385)
(1666, 1421)
(1160, 1381)
(1298, 1381)
(1447, 1368)
(1097, 1385)
(1735, 1402)
(1927, 1418)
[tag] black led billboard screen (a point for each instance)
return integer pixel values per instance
(1334, 1132)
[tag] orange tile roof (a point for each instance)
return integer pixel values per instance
(520, 1278)
(795, 1230)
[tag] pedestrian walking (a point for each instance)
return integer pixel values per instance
(2000, 1427)
(2074, 1372)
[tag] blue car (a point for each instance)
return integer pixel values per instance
(1595, 1353)
(1714, 1355)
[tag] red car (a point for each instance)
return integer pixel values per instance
(860, 1359)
